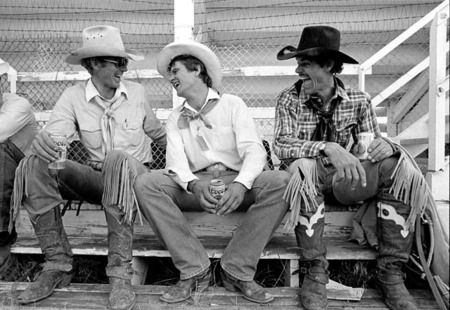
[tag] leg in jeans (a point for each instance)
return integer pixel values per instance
(265, 209)
(162, 202)
(10, 156)
(394, 237)
(44, 188)
(120, 229)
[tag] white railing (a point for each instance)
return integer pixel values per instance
(367, 65)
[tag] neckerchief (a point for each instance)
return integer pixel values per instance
(188, 115)
(325, 129)
(107, 122)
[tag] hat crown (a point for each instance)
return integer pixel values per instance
(107, 36)
(319, 37)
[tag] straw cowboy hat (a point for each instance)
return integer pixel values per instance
(4, 67)
(315, 41)
(198, 50)
(102, 41)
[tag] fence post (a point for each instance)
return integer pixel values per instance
(183, 30)
(436, 140)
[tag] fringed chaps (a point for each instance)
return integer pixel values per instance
(20, 187)
(301, 189)
(118, 186)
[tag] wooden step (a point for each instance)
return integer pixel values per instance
(87, 234)
(95, 297)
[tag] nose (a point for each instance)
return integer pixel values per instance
(299, 69)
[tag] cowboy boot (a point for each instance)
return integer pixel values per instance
(395, 246)
(57, 271)
(309, 234)
(119, 269)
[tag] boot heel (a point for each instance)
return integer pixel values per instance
(228, 285)
(65, 280)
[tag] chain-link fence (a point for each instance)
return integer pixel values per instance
(36, 36)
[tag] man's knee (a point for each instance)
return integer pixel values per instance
(388, 165)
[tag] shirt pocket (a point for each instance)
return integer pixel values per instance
(306, 129)
(344, 130)
(132, 132)
(91, 137)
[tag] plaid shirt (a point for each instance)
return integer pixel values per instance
(295, 122)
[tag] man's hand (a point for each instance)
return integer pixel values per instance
(349, 168)
(232, 198)
(44, 147)
(378, 150)
(201, 191)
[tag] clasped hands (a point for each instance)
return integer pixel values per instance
(230, 201)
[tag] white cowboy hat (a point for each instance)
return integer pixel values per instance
(4, 67)
(102, 41)
(198, 50)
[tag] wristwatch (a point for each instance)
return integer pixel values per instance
(322, 149)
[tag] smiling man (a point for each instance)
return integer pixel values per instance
(210, 135)
(114, 121)
(317, 130)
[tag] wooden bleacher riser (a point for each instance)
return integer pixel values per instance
(87, 235)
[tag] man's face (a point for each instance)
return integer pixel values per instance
(109, 71)
(315, 78)
(181, 78)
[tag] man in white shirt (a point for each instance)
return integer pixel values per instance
(17, 131)
(115, 122)
(210, 136)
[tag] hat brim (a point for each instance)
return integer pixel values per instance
(4, 67)
(198, 50)
(100, 50)
(289, 52)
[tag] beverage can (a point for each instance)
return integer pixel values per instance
(61, 144)
(365, 139)
(217, 188)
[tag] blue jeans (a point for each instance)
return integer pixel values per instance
(10, 156)
(162, 202)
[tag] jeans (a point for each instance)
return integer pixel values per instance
(162, 201)
(10, 156)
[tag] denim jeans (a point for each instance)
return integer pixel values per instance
(162, 201)
(10, 156)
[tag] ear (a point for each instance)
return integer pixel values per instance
(197, 70)
(329, 65)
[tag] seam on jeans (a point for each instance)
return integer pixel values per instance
(235, 276)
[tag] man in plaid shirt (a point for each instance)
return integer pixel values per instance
(317, 123)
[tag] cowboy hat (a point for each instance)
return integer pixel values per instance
(315, 41)
(190, 47)
(102, 41)
(4, 67)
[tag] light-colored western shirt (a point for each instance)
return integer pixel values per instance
(134, 125)
(232, 141)
(17, 122)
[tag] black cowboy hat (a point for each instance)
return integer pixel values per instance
(315, 41)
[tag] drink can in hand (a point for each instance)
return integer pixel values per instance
(217, 188)
(61, 144)
(365, 139)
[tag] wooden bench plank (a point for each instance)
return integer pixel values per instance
(95, 296)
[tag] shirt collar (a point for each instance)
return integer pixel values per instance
(92, 92)
(211, 95)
